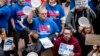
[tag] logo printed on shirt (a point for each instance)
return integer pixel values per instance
(20, 13)
(53, 13)
(44, 27)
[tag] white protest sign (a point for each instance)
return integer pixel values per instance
(81, 3)
(27, 10)
(35, 3)
(8, 44)
(32, 54)
(83, 21)
(46, 42)
(65, 49)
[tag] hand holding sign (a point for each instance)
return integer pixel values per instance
(83, 21)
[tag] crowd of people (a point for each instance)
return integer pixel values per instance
(49, 20)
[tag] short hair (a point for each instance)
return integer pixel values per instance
(41, 8)
(68, 28)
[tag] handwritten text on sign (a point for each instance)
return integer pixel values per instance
(81, 3)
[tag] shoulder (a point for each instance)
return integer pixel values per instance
(74, 39)
(59, 39)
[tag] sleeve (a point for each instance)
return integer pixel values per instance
(70, 21)
(13, 10)
(77, 49)
(55, 48)
(55, 27)
(3, 11)
(62, 13)
(72, 4)
(90, 3)
(92, 14)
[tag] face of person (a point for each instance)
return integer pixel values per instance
(52, 1)
(67, 34)
(21, 1)
(87, 30)
(43, 14)
(2, 2)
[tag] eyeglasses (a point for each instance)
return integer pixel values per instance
(43, 13)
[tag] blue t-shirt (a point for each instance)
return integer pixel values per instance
(55, 13)
(5, 13)
(45, 28)
(72, 4)
(17, 13)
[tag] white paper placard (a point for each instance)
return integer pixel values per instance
(27, 10)
(83, 21)
(32, 54)
(81, 3)
(8, 44)
(35, 3)
(65, 49)
(46, 42)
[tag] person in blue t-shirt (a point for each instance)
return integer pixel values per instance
(5, 13)
(17, 18)
(43, 25)
(55, 12)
